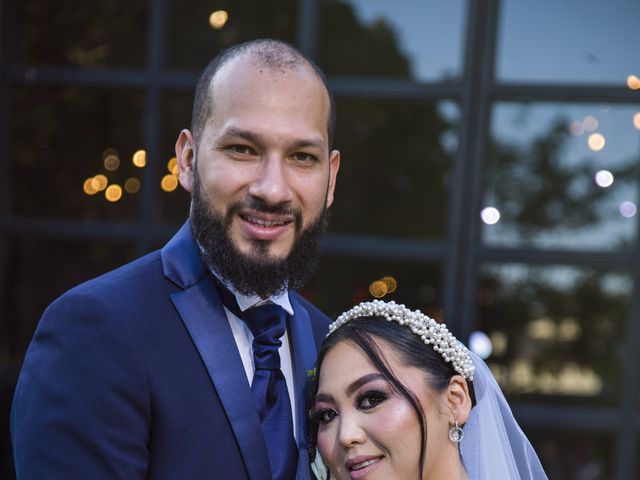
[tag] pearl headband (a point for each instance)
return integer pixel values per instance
(430, 331)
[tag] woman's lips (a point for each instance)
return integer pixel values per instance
(359, 467)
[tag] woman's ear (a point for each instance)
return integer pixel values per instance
(458, 399)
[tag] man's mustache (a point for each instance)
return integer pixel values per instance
(259, 205)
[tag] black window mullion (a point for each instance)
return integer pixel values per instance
(466, 194)
(155, 57)
(307, 28)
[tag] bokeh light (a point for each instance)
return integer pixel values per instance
(480, 344)
(596, 142)
(140, 158)
(169, 183)
(391, 283)
(490, 215)
(590, 123)
(633, 82)
(172, 165)
(88, 186)
(628, 209)
(99, 182)
(218, 19)
(132, 185)
(604, 178)
(378, 289)
(113, 193)
(111, 162)
(576, 128)
(636, 120)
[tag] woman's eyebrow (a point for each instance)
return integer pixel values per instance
(324, 397)
(351, 389)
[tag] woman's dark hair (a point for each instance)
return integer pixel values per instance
(408, 348)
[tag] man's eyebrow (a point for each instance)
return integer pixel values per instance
(305, 143)
(246, 134)
(255, 138)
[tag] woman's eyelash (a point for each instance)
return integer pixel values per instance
(370, 399)
(324, 415)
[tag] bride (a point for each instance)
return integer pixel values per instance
(398, 397)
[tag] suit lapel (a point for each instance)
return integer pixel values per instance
(303, 351)
(204, 317)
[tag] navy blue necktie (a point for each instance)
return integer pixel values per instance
(268, 323)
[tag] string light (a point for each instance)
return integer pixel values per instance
(140, 158)
(113, 193)
(218, 19)
(596, 142)
(132, 185)
(490, 215)
(169, 183)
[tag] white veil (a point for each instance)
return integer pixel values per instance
(494, 447)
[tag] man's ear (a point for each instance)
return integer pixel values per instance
(334, 166)
(458, 399)
(186, 156)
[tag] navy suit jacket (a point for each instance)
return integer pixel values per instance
(136, 374)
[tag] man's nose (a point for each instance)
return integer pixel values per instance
(272, 182)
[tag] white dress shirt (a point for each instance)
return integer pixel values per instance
(244, 340)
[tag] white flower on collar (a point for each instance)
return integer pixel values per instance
(319, 469)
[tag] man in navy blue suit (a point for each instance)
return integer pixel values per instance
(152, 370)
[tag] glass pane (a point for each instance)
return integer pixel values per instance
(569, 41)
(556, 331)
(110, 33)
(413, 39)
(40, 270)
(72, 153)
(342, 282)
(396, 157)
(199, 30)
(573, 455)
(563, 176)
(173, 199)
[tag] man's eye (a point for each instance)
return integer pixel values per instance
(325, 415)
(370, 400)
(304, 157)
(241, 149)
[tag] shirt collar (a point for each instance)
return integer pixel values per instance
(246, 302)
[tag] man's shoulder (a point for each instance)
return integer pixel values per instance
(135, 278)
(145, 267)
(316, 315)
(319, 321)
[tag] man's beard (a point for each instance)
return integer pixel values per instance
(255, 272)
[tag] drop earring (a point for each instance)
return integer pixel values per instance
(456, 434)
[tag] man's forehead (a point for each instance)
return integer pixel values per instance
(246, 67)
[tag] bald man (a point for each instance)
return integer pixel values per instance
(191, 362)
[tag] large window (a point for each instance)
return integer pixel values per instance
(490, 176)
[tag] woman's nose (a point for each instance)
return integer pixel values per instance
(351, 431)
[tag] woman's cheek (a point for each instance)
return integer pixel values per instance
(324, 443)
